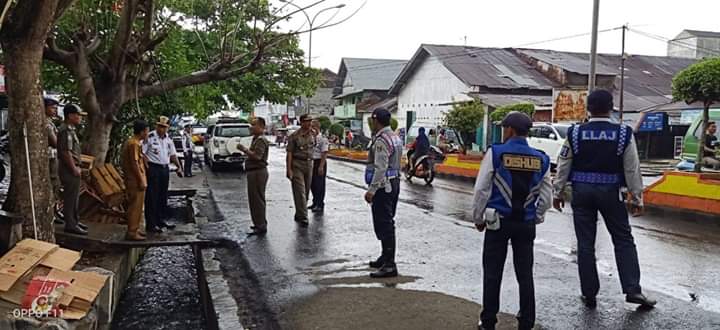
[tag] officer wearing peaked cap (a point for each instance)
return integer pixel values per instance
(512, 193)
(382, 176)
(598, 158)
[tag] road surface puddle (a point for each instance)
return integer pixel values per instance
(386, 308)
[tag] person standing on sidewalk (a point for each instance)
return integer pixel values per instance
(514, 186)
(299, 166)
(319, 156)
(599, 157)
(257, 175)
(159, 151)
(188, 146)
(51, 108)
(133, 165)
(382, 176)
(69, 168)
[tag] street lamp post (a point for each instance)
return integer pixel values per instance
(311, 22)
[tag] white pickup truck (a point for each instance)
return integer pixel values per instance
(549, 138)
(221, 143)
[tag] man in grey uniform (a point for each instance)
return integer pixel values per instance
(382, 176)
(599, 157)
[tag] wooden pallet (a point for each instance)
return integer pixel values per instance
(108, 184)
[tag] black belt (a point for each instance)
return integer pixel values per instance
(255, 169)
(158, 165)
(300, 158)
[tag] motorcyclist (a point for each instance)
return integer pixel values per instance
(421, 146)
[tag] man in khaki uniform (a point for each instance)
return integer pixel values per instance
(69, 168)
(257, 175)
(51, 108)
(133, 165)
(299, 166)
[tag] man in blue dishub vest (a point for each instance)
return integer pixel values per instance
(512, 193)
(598, 158)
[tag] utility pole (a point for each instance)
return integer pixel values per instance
(622, 74)
(593, 46)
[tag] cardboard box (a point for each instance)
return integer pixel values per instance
(62, 259)
(79, 296)
(21, 259)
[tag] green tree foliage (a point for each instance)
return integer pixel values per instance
(337, 129)
(501, 112)
(393, 123)
(162, 57)
(700, 82)
(325, 123)
(465, 118)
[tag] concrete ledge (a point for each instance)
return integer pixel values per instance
(692, 192)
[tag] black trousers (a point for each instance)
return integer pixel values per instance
(318, 184)
(71, 197)
(522, 236)
(588, 200)
(188, 163)
(383, 208)
(158, 181)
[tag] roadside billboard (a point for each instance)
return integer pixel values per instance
(569, 105)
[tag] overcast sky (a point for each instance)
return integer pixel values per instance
(394, 29)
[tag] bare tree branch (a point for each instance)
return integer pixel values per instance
(198, 78)
(122, 38)
(58, 55)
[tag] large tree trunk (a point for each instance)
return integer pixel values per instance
(22, 68)
(703, 135)
(97, 138)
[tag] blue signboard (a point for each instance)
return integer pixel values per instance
(653, 122)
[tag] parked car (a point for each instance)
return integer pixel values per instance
(222, 140)
(690, 143)
(549, 138)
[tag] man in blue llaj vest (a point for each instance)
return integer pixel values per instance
(599, 158)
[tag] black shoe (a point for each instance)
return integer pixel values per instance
(312, 207)
(590, 302)
(640, 299)
(302, 222)
(83, 226)
(59, 222)
(76, 230)
(385, 271)
(318, 209)
(379, 262)
(257, 232)
(485, 327)
(155, 229)
(164, 224)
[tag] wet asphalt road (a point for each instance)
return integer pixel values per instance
(440, 251)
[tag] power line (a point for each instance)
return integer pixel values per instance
(676, 42)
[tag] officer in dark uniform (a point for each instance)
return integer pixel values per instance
(383, 178)
(598, 158)
(512, 193)
(69, 168)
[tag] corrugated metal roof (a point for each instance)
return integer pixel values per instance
(372, 74)
(500, 100)
(489, 67)
(574, 62)
(648, 79)
(703, 34)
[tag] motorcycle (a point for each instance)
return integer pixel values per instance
(424, 166)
